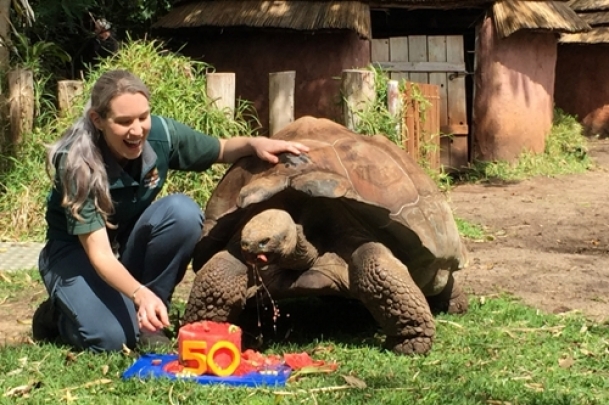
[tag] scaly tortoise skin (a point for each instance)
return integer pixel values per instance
(354, 217)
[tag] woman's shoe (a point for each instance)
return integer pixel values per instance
(45, 322)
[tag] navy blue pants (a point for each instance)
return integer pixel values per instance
(93, 315)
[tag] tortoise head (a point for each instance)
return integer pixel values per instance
(268, 236)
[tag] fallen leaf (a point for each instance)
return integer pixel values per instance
(5, 279)
(70, 358)
(586, 352)
(455, 324)
(535, 386)
(324, 369)
(584, 329)
(104, 369)
(126, 350)
(101, 381)
(22, 390)
(566, 362)
(14, 372)
(68, 397)
(24, 321)
(354, 382)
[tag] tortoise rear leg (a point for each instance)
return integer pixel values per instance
(452, 299)
(218, 291)
(385, 287)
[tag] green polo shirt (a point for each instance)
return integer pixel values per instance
(170, 145)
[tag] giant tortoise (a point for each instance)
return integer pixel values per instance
(354, 217)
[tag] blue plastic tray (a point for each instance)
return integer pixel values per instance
(143, 368)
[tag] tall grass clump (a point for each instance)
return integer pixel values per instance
(565, 153)
(177, 86)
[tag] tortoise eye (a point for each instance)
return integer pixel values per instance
(263, 242)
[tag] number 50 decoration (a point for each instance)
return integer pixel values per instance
(195, 351)
(210, 348)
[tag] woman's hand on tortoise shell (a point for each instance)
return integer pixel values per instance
(268, 149)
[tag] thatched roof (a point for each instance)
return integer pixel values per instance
(297, 15)
(595, 13)
(589, 5)
(510, 15)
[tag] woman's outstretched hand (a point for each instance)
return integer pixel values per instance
(268, 149)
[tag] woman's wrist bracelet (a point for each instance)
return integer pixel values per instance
(136, 290)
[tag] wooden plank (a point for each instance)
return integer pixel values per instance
(436, 46)
(427, 67)
(432, 128)
(221, 91)
(417, 52)
(357, 88)
(398, 52)
(454, 129)
(437, 53)
(67, 91)
(394, 102)
(445, 145)
(416, 111)
(459, 151)
(435, 129)
(21, 103)
(457, 110)
(408, 129)
(379, 50)
(281, 100)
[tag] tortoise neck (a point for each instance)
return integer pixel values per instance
(303, 256)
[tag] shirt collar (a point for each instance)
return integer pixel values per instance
(117, 177)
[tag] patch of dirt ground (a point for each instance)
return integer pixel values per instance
(549, 245)
(550, 239)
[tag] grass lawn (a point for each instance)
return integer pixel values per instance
(501, 352)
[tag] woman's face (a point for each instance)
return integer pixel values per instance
(126, 127)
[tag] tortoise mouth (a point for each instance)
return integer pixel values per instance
(259, 260)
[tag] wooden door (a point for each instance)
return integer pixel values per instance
(438, 60)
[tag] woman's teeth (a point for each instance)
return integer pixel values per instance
(134, 143)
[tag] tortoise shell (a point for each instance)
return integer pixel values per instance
(370, 176)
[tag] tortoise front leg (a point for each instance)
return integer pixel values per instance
(219, 290)
(452, 299)
(385, 287)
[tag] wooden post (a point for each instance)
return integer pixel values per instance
(221, 90)
(281, 100)
(21, 103)
(358, 92)
(67, 90)
(394, 103)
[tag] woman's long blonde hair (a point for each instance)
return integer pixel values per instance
(77, 156)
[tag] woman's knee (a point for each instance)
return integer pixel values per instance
(184, 212)
(97, 338)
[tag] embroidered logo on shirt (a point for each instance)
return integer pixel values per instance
(151, 180)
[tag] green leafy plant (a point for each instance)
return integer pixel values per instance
(178, 87)
(565, 152)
